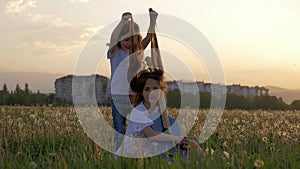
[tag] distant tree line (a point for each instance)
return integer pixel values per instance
(23, 97)
(26, 97)
(234, 101)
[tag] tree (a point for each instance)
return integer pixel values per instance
(295, 105)
(269, 102)
(38, 98)
(4, 94)
(18, 89)
(205, 100)
(22, 97)
(18, 96)
(27, 94)
(173, 98)
(4, 89)
(27, 91)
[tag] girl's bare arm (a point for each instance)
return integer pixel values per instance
(162, 137)
(153, 16)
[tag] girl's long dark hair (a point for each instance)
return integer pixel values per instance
(138, 82)
(133, 29)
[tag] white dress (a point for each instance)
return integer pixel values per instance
(135, 142)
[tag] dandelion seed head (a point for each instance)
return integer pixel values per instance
(227, 155)
(265, 139)
(33, 164)
(32, 116)
(258, 163)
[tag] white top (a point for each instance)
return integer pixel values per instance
(119, 62)
(119, 83)
(138, 120)
(136, 144)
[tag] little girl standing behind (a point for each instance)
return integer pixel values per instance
(125, 41)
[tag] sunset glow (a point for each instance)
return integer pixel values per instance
(256, 41)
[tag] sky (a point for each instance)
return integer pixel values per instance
(257, 42)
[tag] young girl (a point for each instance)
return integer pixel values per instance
(125, 41)
(140, 136)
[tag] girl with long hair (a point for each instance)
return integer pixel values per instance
(125, 54)
(141, 133)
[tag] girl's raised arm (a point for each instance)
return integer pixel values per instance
(153, 16)
(115, 34)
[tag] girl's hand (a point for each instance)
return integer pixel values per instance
(184, 141)
(180, 138)
(126, 16)
(153, 15)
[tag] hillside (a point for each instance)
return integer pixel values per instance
(287, 95)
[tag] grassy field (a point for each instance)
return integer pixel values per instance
(51, 137)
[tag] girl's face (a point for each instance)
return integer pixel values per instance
(126, 44)
(151, 92)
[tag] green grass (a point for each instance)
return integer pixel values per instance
(71, 151)
(45, 147)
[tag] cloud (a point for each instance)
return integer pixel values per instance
(19, 6)
(35, 40)
(44, 34)
(80, 1)
(32, 39)
(35, 17)
(55, 38)
(49, 47)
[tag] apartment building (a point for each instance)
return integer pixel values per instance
(82, 89)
